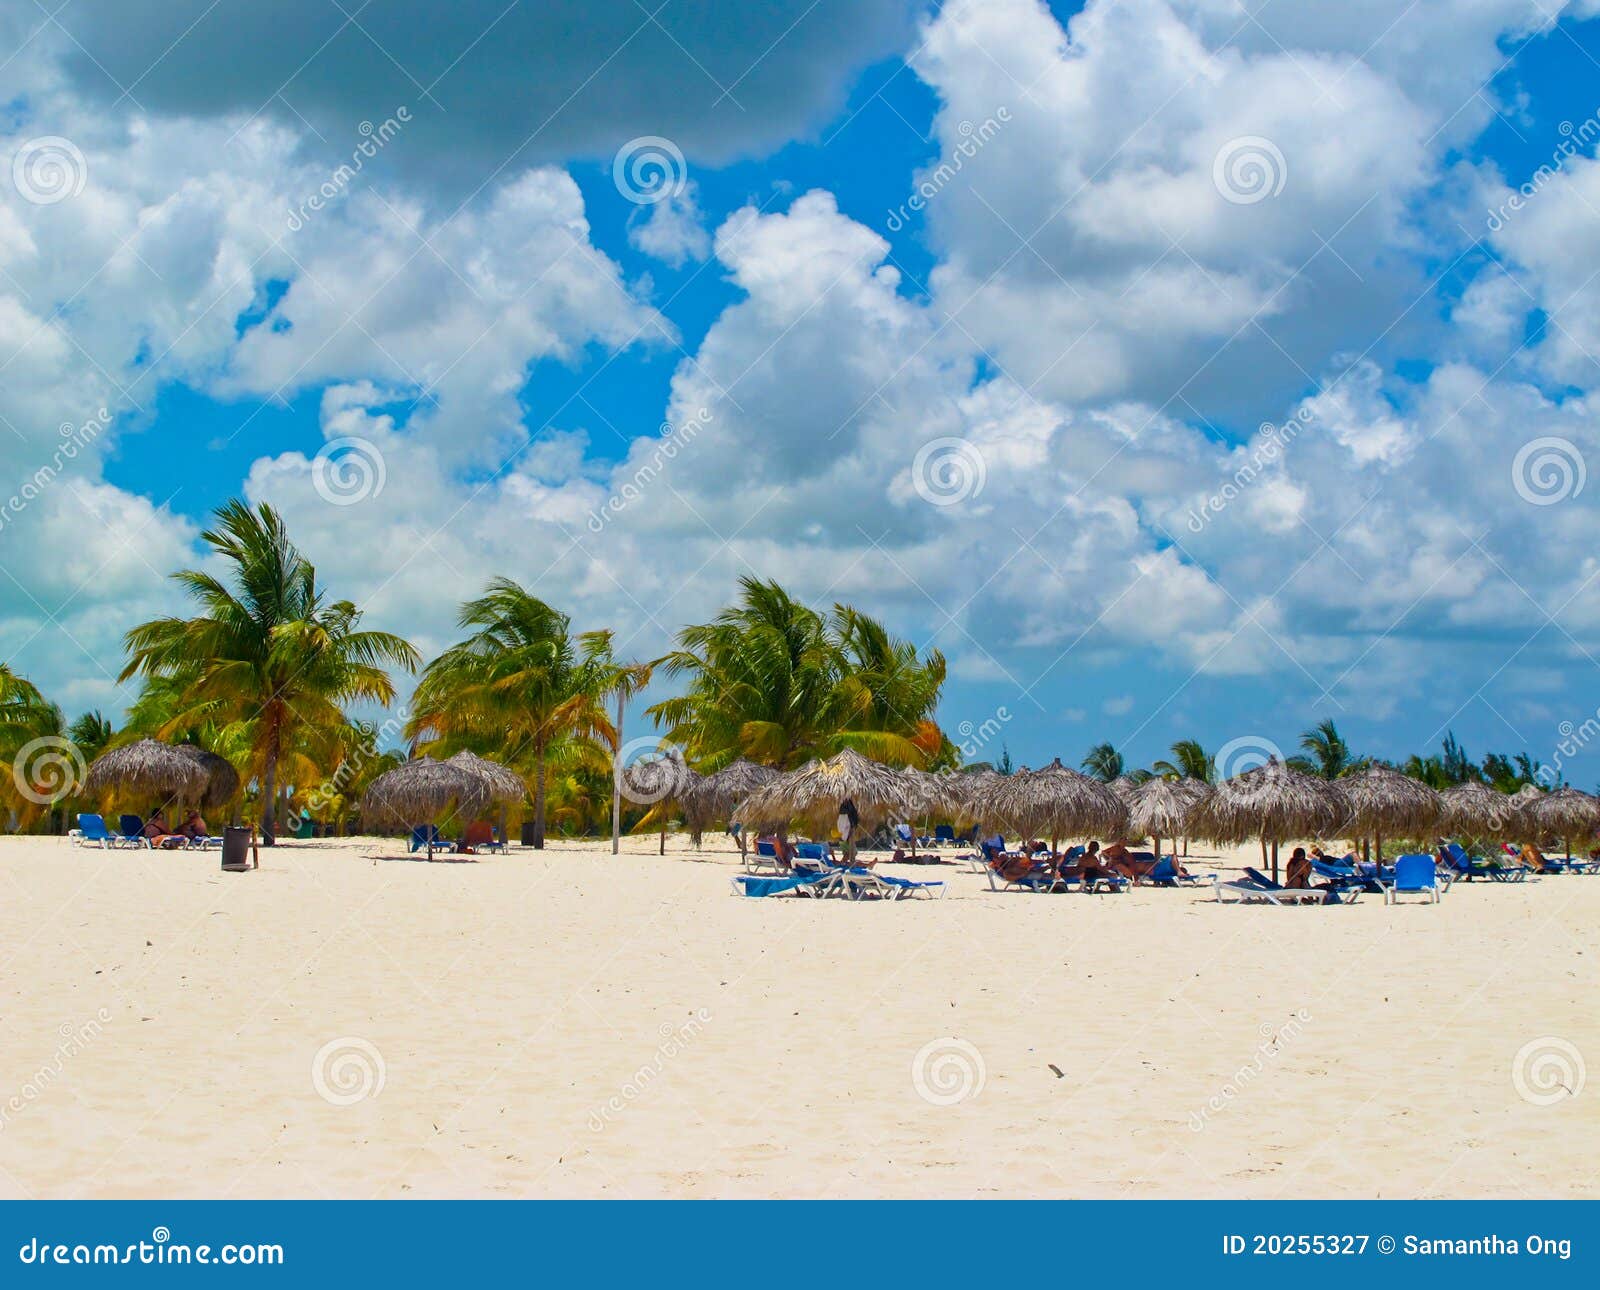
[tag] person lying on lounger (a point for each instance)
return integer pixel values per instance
(156, 830)
(1530, 857)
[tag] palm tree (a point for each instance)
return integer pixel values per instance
(1329, 754)
(772, 680)
(91, 732)
(267, 657)
(523, 688)
(1104, 762)
(1189, 761)
(25, 715)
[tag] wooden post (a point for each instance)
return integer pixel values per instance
(1274, 859)
(616, 787)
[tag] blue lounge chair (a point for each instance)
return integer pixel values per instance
(1165, 874)
(425, 837)
(130, 830)
(1414, 874)
(1255, 888)
(752, 884)
(1268, 884)
(92, 831)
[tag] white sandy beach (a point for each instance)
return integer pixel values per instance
(567, 1024)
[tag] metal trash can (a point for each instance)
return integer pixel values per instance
(236, 848)
(527, 833)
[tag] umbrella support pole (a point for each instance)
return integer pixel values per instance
(1274, 860)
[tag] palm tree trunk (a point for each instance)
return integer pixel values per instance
(269, 788)
(538, 799)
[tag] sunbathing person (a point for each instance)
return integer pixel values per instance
(159, 835)
(195, 827)
(1530, 857)
(1298, 874)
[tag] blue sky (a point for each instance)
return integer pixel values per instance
(1086, 318)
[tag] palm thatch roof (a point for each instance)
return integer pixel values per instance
(1385, 803)
(1563, 813)
(421, 790)
(814, 792)
(1196, 790)
(715, 796)
(1273, 802)
(661, 780)
(222, 780)
(1056, 801)
(148, 767)
(1477, 811)
(937, 794)
(501, 783)
(1159, 808)
(1124, 786)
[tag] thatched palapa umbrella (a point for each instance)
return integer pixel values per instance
(1565, 813)
(1274, 803)
(1383, 802)
(1057, 801)
(1159, 808)
(1475, 810)
(716, 796)
(929, 795)
(148, 768)
(222, 780)
(1124, 786)
(820, 792)
(423, 789)
(660, 783)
